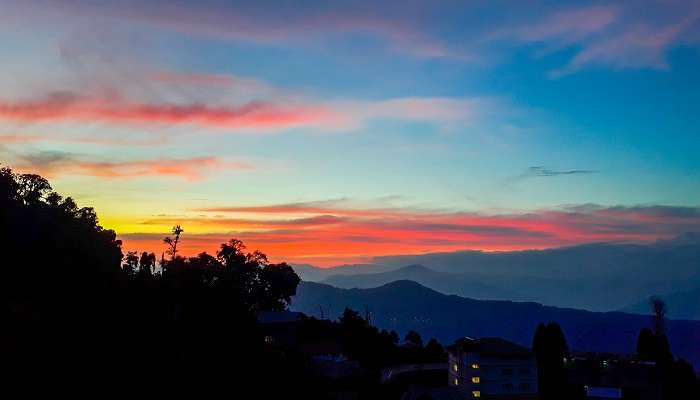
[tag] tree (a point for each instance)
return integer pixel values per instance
(652, 344)
(659, 311)
(647, 345)
(131, 262)
(435, 352)
(414, 338)
(279, 283)
(32, 188)
(172, 241)
(147, 264)
(550, 348)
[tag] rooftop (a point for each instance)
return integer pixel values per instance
(490, 346)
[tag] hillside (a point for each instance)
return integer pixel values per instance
(406, 305)
(443, 282)
(595, 277)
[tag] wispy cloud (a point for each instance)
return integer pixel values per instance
(539, 171)
(66, 106)
(617, 35)
(54, 163)
(253, 115)
(543, 171)
(301, 25)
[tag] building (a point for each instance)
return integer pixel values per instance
(280, 327)
(614, 376)
(492, 368)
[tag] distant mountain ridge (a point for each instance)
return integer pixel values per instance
(598, 276)
(406, 305)
(443, 282)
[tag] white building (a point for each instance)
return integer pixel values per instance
(492, 368)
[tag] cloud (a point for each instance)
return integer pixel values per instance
(52, 163)
(543, 171)
(636, 46)
(333, 231)
(539, 171)
(619, 35)
(66, 106)
(568, 26)
(307, 25)
(251, 115)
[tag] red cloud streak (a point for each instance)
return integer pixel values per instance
(332, 236)
(255, 114)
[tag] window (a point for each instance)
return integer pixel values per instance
(455, 367)
(476, 393)
(523, 371)
(476, 379)
(524, 386)
(507, 387)
(475, 366)
(456, 381)
(507, 372)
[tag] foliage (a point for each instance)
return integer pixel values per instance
(70, 294)
(550, 348)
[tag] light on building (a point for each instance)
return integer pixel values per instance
(455, 367)
(476, 379)
(456, 382)
(475, 366)
(476, 393)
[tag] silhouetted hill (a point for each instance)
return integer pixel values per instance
(681, 305)
(406, 305)
(312, 273)
(444, 282)
(599, 276)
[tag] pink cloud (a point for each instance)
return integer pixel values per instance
(192, 169)
(59, 107)
(260, 116)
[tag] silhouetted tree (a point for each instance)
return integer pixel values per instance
(550, 348)
(278, 284)
(131, 262)
(414, 338)
(172, 241)
(659, 311)
(147, 264)
(69, 294)
(435, 352)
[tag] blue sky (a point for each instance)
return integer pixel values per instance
(437, 109)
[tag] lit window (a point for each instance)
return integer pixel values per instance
(475, 366)
(476, 379)
(456, 382)
(455, 367)
(476, 393)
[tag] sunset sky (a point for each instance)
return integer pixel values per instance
(331, 132)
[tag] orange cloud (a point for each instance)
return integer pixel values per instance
(333, 235)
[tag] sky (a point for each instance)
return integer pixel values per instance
(331, 132)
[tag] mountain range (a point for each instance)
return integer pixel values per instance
(443, 282)
(597, 277)
(407, 305)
